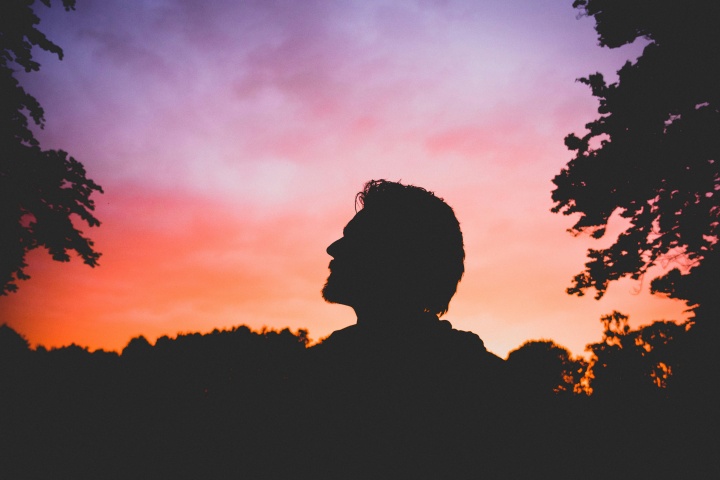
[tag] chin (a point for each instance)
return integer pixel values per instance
(327, 294)
(332, 294)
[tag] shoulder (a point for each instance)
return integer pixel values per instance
(470, 339)
(469, 344)
(344, 334)
(460, 338)
(344, 341)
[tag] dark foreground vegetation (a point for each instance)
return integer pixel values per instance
(244, 404)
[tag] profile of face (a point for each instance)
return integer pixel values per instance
(361, 269)
(402, 252)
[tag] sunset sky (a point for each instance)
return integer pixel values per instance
(231, 137)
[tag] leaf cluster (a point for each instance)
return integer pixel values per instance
(41, 191)
(634, 363)
(543, 368)
(652, 156)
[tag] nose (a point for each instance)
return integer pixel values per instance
(334, 248)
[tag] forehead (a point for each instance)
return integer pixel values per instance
(363, 223)
(357, 223)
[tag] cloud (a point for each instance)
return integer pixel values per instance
(232, 136)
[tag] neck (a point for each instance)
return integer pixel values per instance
(386, 318)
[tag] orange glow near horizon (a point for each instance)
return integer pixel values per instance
(231, 138)
(202, 269)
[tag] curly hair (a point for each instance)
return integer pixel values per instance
(424, 235)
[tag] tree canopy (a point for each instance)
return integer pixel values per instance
(42, 192)
(635, 363)
(542, 367)
(652, 156)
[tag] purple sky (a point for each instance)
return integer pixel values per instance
(232, 136)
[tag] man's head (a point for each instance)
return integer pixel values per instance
(404, 248)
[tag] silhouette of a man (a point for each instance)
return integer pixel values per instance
(401, 256)
(398, 263)
(396, 383)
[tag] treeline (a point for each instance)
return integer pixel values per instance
(653, 361)
(258, 404)
(188, 407)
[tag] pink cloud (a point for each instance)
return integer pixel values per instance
(232, 136)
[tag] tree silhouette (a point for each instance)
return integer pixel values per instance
(634, 363)
(12, 344)
(41, 191)
(542, 368)
(258, 404)
(653, 154)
